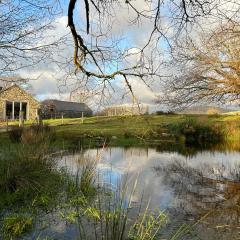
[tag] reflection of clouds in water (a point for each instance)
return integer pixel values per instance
(178, 186)
(138, 163)
(136, 160)
(116, 164)
(109, 177)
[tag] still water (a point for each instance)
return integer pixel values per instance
(201, 190)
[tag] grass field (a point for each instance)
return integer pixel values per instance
(131, 130)
(135, 125)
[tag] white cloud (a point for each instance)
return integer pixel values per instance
(48, 73)
(44, 76)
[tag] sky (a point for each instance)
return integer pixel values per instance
(46, 83)
(49, 77)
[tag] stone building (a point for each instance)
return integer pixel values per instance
(14, 101)
(53, 108)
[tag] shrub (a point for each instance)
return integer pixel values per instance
(196, 131)
(127, 134)
(165, 113)
(34, 134)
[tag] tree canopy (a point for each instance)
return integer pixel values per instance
(210, 68)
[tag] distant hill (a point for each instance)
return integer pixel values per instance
(205, 110)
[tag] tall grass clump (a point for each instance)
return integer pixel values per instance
(29, 181)
(85, 177)
(15, 134)
(16, 225)
(34, 134)
(26, 168)
(38, 133)
(25, 164)
(108, 212)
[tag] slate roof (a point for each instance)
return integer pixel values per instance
(67, 106)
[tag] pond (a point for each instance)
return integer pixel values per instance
(200, 192)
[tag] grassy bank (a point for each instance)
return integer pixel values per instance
(144, 127)
(141, 130)
(30, 183)
(148, 130)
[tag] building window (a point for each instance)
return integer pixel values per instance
(13, 110)
(9, 107)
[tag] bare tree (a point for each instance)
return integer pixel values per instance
(209, 68)
(101, 60)
(23, 40)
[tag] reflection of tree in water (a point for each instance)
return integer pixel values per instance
(213, 192)
(192, 150)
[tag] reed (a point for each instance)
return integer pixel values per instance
(110, 213)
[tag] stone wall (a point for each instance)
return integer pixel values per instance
(16, 94)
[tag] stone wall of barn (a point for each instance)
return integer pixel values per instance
(16, 94)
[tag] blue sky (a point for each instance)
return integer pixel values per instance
(50, 78)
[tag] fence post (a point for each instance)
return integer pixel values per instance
(62, 118)
(82, 117)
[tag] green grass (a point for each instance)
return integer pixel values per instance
(139, 130)
(138, 125)
(131, 130)
(16, 225)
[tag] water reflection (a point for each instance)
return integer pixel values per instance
(194, 149)
(205, 186)
(210, 193)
